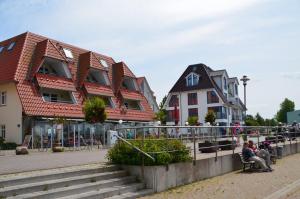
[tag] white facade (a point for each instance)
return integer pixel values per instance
(11, 114)
(215, 86)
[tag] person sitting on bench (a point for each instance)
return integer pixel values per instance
(262, 153)
(249, 155)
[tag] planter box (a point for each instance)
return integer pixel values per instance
(228, 145)
(213, 146)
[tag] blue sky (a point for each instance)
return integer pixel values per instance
(159, 39)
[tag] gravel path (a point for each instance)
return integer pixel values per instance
(238, 185)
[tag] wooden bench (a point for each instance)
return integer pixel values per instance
(246, 163)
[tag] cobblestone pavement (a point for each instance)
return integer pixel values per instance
(48, 160)
(238, 185)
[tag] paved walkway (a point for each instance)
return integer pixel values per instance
(49, 160)
(237, 185)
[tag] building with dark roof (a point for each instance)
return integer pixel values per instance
(41, 78)
(201, 89)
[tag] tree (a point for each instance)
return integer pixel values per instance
(161, 115)
(193, 121)
(163, 101)
(259, 119)
(94, 110)
(251, 121)
(286, 106)
(210, 117)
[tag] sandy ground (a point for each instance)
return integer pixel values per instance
(238, 185)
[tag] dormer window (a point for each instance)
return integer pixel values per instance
(103, 63)
(55, 67)
(129, 84)
(68, 53)
(192, 79)
(225, 83)
(236, 89)
(11, 46)
(1, 48)
(97, 76)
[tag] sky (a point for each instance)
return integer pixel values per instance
(160, 38)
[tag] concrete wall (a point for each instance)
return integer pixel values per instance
(11, 114)
(161, 178)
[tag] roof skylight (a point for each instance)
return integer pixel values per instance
(103, 63)
(11, 45)
(68, 53)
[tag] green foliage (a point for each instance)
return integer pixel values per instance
(286, 106)
(210, 117)
(94, 110)
(122, 153)
(161, 116)
(260, 120)
(193, 121)
(161, 104)
(8, 146)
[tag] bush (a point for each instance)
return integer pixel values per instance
(8, 146)
(122, 153)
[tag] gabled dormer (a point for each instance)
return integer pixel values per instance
(49, 59)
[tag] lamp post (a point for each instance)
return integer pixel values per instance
(244, 79)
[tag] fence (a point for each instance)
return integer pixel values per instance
(213, 138)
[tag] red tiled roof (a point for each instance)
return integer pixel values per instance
(97, 89)
(50, 81)
(9, 60)
(26, 57)
(126, 94)
(127, 71)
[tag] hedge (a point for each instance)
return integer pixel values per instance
(172, 151)
(8, 146)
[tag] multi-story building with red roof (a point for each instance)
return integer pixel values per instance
(41, 78)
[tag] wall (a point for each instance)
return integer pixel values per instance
(11, 114)
(161, 178)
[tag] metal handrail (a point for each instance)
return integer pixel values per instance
(136, 148)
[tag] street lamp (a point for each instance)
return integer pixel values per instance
(244, 80)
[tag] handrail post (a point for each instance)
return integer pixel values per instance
(194, 141)
(216, 144)
(143, 158)
(232, 141)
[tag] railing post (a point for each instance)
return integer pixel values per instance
(143, 157)
(32, 139)
(74, 137)
(216, 144)
(42, 141)
(258, 134)
(232, 141)
(194, 141)
(277, 138)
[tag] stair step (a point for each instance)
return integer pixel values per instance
(133, 195)
(107, 192)
(58, 183)
(77, 189)
(38, 176)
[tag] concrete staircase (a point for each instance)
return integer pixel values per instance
(97, 181)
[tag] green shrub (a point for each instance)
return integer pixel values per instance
(164, 152)
(8, 146)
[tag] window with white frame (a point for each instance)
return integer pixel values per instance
(3, 131)
(192, 79)
(68, 53)
(3, 98)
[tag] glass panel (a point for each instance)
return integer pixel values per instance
(193, 112)
(192, 99)
(173, 101)
(212, 97)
